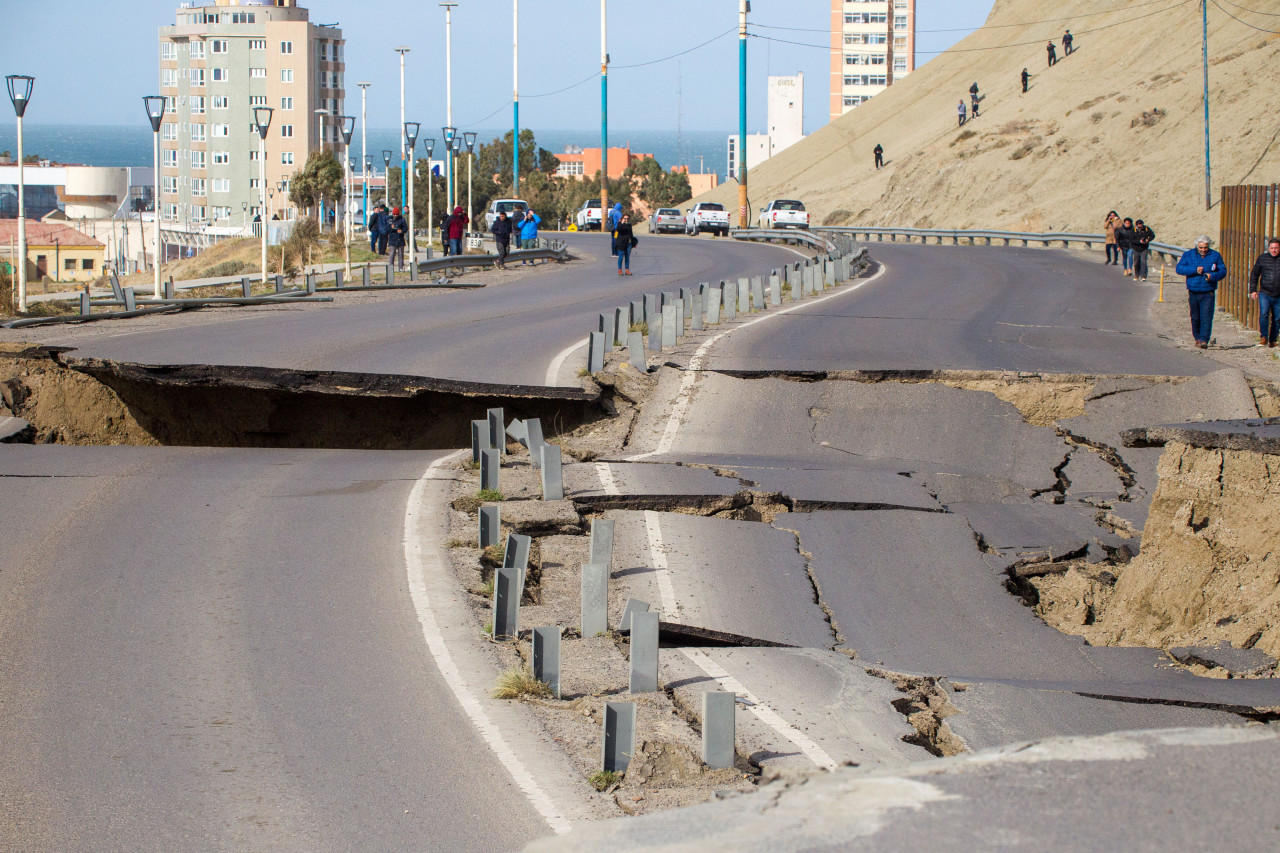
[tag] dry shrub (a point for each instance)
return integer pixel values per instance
(1149, 118)
(967, 134)
(1025, 148)
(518, 682)
(838, 217)
(1016, 128)
(1097, 117)
(1093, 102)
(6, 290)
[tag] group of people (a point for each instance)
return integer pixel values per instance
(974, 98)
(505, 227)
(387, 232)
(1129, 243)
(1052, 49)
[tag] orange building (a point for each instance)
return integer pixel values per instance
(699, 182)
(585, 162)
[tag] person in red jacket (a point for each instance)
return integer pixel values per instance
(457, 228)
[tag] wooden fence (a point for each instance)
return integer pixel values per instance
(1250, 216)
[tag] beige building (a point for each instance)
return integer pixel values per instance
(221, 59)
(55, 251)
(872, 45)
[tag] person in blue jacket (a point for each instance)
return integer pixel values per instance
(615, 216)
(529, 231)
(1204, 268)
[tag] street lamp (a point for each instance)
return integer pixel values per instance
(262, 121)
(447, 134)
(411, 129)
(347, 124)
(244, 216)
(155, 114)
(271, 195)
(321, 113)
(386, 174)
(20, 94)
(448, 96)
(429, 146)
(471, 150)
(364, 157)
(402, 51)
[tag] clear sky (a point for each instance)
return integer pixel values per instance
(96, 58)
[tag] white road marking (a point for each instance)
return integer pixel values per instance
(607, 483)
(685, 395)
(766, 714)
(553, 369)
(420, 558)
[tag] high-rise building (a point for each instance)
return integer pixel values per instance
(221, 59)
(870, 49)
(786, 124)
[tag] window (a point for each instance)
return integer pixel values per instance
(899, 63)
(253, 183)
(221, 158)
(253, 153)
(221, 102)
(221, 75)
(86, 264)
(69, 264)
(198, 186)
(222, 213)
(286, 47)
(169, 132)
(197, 106)
(257, 74)
(197, 76)
(257, 44)
(197, 132)
(169, 211)
(286, 158)
(286, 103)
(286, 75)
(170, 104)
(257, 100)
(197, 50)
(198, 212)
(169, 157)
(286, 131)
(222, 130)
(244, 18)
(222, 185)
(218, 46)
(324, 79)
(168, 50)
(900, 22)
(324, 51)
(168, 76)
(197, 159)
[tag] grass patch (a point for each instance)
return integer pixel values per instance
(485, 590)
(604, 780)
(457, 543)
(1148, 118)
(583, 372)
(642, 328)
(838, 217)
(490, 495)
(494, 554)
(964, 134)
(1025, 148)
(518, 682)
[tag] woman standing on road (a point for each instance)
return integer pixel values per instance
(1113, 251)
(1124, 239)
(624, 239)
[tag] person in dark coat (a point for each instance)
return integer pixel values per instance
(1124, 241)
(444, 234)
(1204, 268)
(374, 224)
(624, 239)
(396, 237)
(1053, 54)
(1026, 78)
(457, 229)
(1264, 288)
(879, 152)
(501, 229)
(973, 96)
(1067, 40)
(1140, 243)
(384, 228)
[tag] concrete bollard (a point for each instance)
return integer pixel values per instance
(413, 271)
(619, 741)
(696, 313)
(635, 352)
(633, 605)
(775, 290)
(686, 297)
(515, 554)
(497, 432)
(744, 296)
(829, 273)
(168, 288)
(479, 439)
(533, 441)
(366, 277)
(668, 298)
(605, 328)
(85, 306)
(757, 294)
(594, 613)
(602, 541)
(246, 287)
(130, 302)
(797, 286)
(637, 313)
(619, 327)
(679, 306)
(490, 465)
(655, 332)
(519, 431)
(719, 710)
(644, 652)
(545, 657)
(552, 476)
(309, 280)
(713, 306)
(668, 325)
(390, 275)
(279, 283)
(490, 525)
(338, 280)
(729, 300)
(595, 352)
(650, 305)
(506, 602)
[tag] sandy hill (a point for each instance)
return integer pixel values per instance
(1118, 124)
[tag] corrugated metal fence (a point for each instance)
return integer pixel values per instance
(1250, 215)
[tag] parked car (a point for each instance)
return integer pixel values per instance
(784, 213)
(707, 216)
(513, 207)
(666, 219)
(588, 217)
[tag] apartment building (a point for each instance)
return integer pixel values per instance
(872, 45)
(219, 60)
(786, 125)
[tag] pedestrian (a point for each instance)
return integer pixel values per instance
(1067, 41)
(1124, 240)
(501, 229)
(879, 152)
(1026, 78)
(1053, 54)
(973, 95)
(457, 228)
(373, 225)
(384, 229)
(529, 231)
(1113, 249)
(444, 233)
(398, 228)
(624, 238)
(1141, 242)
(1264, 288)
(1204, 268)
(960, 109)
(615, 216)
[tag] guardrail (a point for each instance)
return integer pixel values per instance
(784, 235)
(1167, 251)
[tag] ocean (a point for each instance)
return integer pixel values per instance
(130, 145)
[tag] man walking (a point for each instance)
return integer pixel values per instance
(1140, 242)
(1066, 43)
(1264, 288)
(960, 110)
(398, 228)
(1053, 54)
(529, 231)
(457, 228)
(384, 228)
(973, 95)
(1204, 268)
(501, 229)
(374, 225)
(879, 152)
(1026, 78)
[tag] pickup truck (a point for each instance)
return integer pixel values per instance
(513, 207)
(707, 216)
(588, 217)
(666, 219)
(784, 213)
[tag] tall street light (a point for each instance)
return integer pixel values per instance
(262, 121)
(604, 115)
(515, 94)
(448, 95)
(364, 156)
(155, 114)
(447, 135)
(347, 124)
(471, 151)
(429, 146)
(411, 129)
(386, 174)
(320, 114)
(402, 51)
(20, 93)
(744, 6)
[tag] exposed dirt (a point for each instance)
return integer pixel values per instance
(926, 706)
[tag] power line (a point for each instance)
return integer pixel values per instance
(1246, 23)
(1251, 11)
(681, 53)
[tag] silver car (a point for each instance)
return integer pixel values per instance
(666, 219)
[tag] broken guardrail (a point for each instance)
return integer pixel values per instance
(1167, 251)
(788, 235)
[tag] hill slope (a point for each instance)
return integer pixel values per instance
(1118, 124)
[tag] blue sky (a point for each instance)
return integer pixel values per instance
(94, 66)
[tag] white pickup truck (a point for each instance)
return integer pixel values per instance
(707, 216)
(784, 213)
(588, 217)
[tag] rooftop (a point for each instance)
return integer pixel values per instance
(44, 234)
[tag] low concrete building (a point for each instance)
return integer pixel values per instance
(584, 163)
(55, 251)
(81, 192)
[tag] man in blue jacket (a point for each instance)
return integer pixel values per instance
(529, 231)
(1204, 268)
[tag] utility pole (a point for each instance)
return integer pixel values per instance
(448, 93)
(515, 100)
(744, 6)
(1204, 13)
(604, 115)
(364, 157)
(402, 51)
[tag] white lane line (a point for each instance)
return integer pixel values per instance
(553, 369)
(763, 712)
(685, 395)
(607, 483)
(423, 557)
(766, 714)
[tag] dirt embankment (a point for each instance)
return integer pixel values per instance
(1209, 569)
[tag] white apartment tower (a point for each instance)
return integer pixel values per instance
(873, 43)
(218, 61)
(786, 124)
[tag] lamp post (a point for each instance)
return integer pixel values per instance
(20, 94)
(262, 121)
(244, 216)
(364, 157)
(320, 114)
(155, 114)
(411, 129)
(448, 133)
(402, 51)
(515, 95)
(471, 151)
(448, 96)
(429, 146)
(604, 115)
(744, 6)
(348, 127)
(386, 174)
(271, 194)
